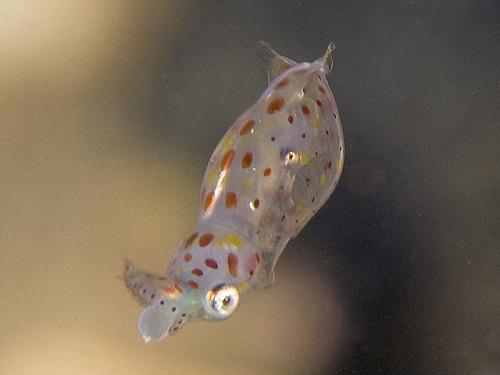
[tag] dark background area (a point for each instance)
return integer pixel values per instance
(109, 113)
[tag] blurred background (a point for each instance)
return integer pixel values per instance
(109, 112)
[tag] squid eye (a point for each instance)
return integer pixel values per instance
(221, 301)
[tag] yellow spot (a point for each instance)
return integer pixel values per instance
(247, 183)
(299, 207)
(287, 226)
(212, 177)
(316, 124)
(244, 141)
(181, 269)
(304, 159)
(266, 124)
(304, 217)
(230, 240)
(227, 141)
(243, 285)
(322, 179)
(338, 165)
(234, 240)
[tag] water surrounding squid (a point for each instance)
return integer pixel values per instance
(271, 172)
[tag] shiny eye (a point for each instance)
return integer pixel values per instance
(221, 301)
(288, 156)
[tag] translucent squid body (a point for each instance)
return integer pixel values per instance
(273, 169)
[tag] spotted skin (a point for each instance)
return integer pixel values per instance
(273, 169)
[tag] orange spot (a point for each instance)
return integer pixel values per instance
(232, 264)
(282, 84)
(231, 200)
(257, 258)
(318, 102)
(161, 278)
(190, 240)
(188, 257)
(211, 263)
(192, 284)
(167, 291)
(247, 160)
(209, 202)
(256, 203)
(206, 239)
(321, 88)
(305, 110)
(227, 160)
(329, 165)
(275, 105)
(267, 172)
(290, 119)
(197, 272)
(248, 126)
(178, 288)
